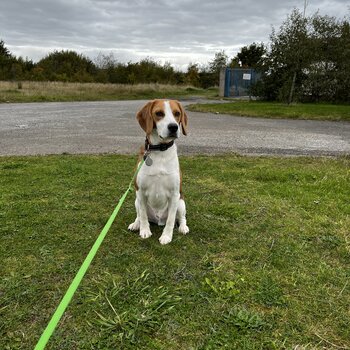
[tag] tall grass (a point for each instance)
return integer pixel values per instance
(31, 91)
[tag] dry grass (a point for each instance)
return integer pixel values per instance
(29, 91)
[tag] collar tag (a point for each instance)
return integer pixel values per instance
(146, 157)
(148, 161)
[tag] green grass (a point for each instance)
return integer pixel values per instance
(31, 91)
(311, 111)
(266, 264)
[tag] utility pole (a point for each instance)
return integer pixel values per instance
(290, 99)
(306, 2)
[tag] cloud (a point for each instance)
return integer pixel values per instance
(179, 31)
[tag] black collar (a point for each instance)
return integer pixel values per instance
(161, 147)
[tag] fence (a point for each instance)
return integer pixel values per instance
(236, 82)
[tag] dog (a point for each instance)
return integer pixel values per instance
(159, 197)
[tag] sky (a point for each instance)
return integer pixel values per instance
(175, 31)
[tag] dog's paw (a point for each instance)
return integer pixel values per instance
(135, 226)
(166, 236)
(165, 239)
(183, 228)
(145, 233)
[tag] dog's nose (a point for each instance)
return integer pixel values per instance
(173, 128)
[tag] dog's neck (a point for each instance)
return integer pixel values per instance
(161, 147)
(164, 162)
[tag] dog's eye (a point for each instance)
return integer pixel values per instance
(177, 114)
(160, 114)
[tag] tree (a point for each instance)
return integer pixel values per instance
(67, 66)
(105, 61)
(6, 62)
(308, 60)
(4, 51)
(13, 68)
(220, 61)
(192, 74)
(328, 74)
(289, 52)
(249, 56)
(342, 62)
(284, 65)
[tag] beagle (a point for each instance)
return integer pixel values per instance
(159, 196)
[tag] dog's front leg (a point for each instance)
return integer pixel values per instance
(145, 231)
(167, 234)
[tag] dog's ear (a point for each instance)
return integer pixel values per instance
(144, 116)
(183, 119)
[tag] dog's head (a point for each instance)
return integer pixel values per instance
(164, 117)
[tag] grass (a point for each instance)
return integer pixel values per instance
(265, 265)
(58, 91)
(310, 111)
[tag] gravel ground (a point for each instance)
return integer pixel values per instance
(111, 127)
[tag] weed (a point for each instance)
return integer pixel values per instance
(244, 319)
(223, 288)
(133, 309)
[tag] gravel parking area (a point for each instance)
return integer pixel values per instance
(111, 127)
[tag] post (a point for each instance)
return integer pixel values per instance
(222, 82)
(290, 99)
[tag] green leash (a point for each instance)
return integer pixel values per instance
(80, 274)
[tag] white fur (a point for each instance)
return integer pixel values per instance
(158, 196)
(162, 125)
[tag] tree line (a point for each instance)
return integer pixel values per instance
(69, 66)
(307, 59)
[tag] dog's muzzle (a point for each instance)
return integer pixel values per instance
(173, 128)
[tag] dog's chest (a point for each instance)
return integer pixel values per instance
(158, 192)
(160, 180)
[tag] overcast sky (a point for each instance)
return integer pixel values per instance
(177, 31)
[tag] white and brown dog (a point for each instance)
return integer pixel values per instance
(159, 196)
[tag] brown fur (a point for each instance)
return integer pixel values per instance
(140, 157)
(182, 119)
(144, 116)
(181, 194)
